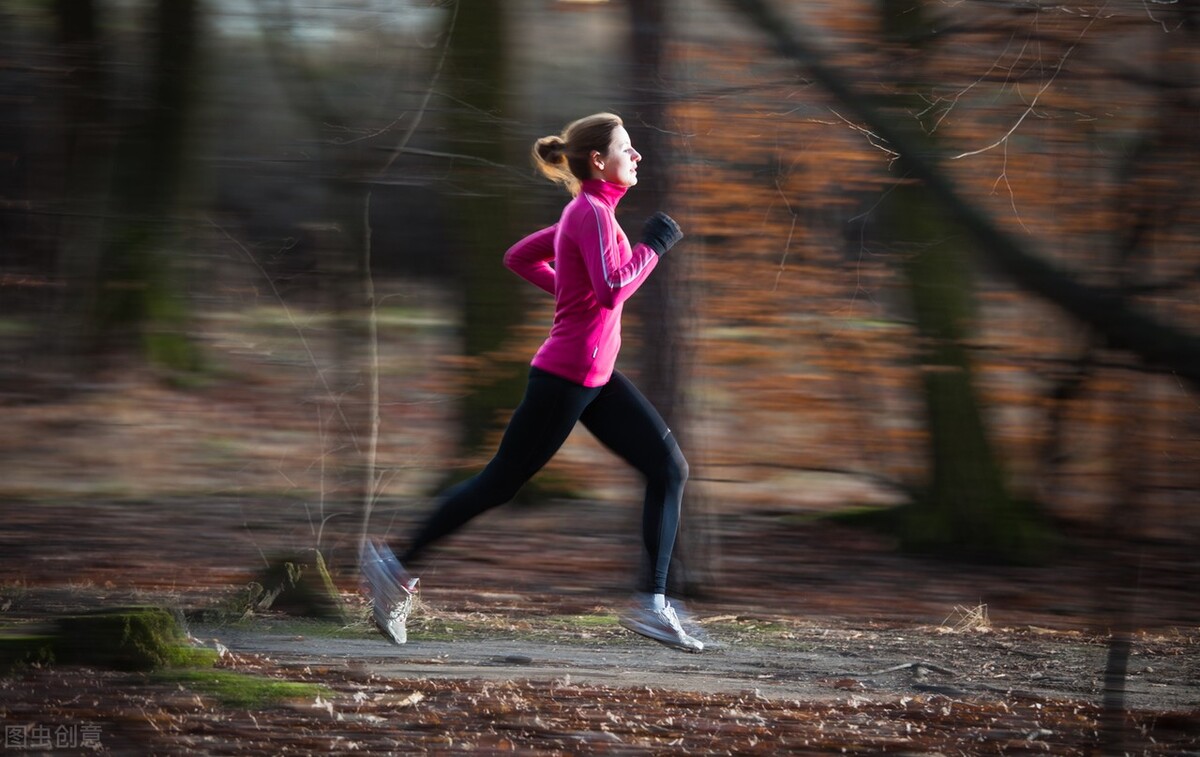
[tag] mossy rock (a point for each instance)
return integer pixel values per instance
(124, 638)
(18, 650)
(300, 585)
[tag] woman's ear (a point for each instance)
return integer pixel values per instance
(597, 160)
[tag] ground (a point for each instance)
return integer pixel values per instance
(823, 639)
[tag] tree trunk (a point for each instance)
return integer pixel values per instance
(966, 509)
(481, 220)
(663, 303)
(1152, 190)
(87, 152)
(138, 302)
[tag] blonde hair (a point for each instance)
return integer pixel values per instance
(566, 158)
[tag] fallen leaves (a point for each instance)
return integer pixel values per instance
(368, 713)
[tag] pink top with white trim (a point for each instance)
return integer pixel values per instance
(587, 263)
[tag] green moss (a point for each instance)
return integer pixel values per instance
(882, 518)
(300, 585)
(15, 327)
(430, 629)
(191, 657)
(1019, 534)
(584, 621)
(241, 689)
(556, 629)
(19, 650)
(125, 638)
(305, 627)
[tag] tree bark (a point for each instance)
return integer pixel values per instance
(965, 509)
(663, 303)
(481, 221)
(139, 303)
(87, 152)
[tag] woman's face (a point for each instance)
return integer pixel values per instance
(619, 165)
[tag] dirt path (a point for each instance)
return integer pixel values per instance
(775, 658)
(499, 678)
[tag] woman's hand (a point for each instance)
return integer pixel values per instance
(661, 233)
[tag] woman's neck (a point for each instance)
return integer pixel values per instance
(605, 191)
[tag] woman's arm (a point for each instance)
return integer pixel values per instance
(531, 257)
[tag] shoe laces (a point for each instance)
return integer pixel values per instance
(400, 610)
(668, 614)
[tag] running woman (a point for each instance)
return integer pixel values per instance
(590, 267)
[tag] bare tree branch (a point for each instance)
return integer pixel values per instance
(1121, 323)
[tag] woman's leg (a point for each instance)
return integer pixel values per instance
(539, 426)
(625, 422)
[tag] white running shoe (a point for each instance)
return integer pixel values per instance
(662, 625)
(391, 589)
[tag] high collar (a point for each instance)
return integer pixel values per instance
(604, 191)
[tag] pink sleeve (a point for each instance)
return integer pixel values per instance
(531, 257)
(612, 281)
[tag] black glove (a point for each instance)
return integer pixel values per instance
(661, 233)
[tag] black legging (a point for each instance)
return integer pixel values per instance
(619, 417)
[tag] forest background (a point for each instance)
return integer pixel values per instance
(939, 276)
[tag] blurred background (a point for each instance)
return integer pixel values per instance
(252, 294)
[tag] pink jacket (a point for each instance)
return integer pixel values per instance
(588, 264)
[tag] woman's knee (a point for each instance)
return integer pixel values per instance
(677, 465)
(674, 467)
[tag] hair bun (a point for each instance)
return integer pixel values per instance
(551, 149)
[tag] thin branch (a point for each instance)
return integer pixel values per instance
(1033, 103)
(786, 248)
(958, 96)
(405, 150)
(1012, 196)
(916, 667)
(1160, 22)
(373, 483)
(371, 134)
(872, 137)
(291, 319)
